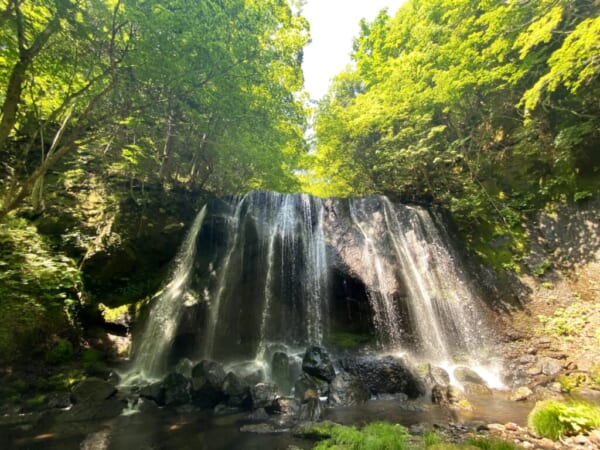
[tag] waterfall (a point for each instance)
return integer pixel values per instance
(281, 271)
(150, 358)
(380, 277)
(282, 287)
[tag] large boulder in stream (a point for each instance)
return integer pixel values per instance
(306, 383)
(93, 399)
(236, 391)
(207, 383)
(467, 375)
(347, 390)
(384, 375)
(177, 389)
(316, 362)
(450, 396)
(263, 395)
(92, 390)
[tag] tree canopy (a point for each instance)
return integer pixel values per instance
(204, 94)
(488, 108)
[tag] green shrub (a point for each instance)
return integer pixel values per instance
(554, 419)
(93, 362)
(38, 291)
(374, 436)
(61, 353)
(572, 381)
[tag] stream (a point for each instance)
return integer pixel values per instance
(170, 429)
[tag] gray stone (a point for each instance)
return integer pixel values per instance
(177, 389)
(551, 366)
(439, 376)
(520, 394)
(387, 374)
(316, 362)
(476, 389)
(306, 383)
(236, 390)
(92, 390)
(347, 390)
(465, 374)
(263, 394)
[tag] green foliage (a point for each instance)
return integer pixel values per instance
(62, 352)
(38, 292)
(567, 321)
(554, 419)
(374, 436)
(431, 438)
(571, 382)
(346, 340)
(491, 444)
(93, 362)
(478, 106)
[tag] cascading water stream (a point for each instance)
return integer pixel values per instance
(287, 271)
(381, 279)
(149, 360)
(215, 305)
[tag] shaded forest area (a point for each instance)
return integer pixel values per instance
(114, 111)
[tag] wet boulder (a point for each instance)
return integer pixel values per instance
(520, 394)
(384, 375)
(316, 362)
(306, 383)
(263, 395)
(207, 383)
(92, 398)
(310, 408)
(92, 390)
(437, 375)
(154, 392)
(236, 391)
(284, 406)
(177, 389)
(467, 375)
(476, 389)
(450, 396)
(184, 367)
(347, 390)
(211, 372)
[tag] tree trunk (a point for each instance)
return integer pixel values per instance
(166, 153)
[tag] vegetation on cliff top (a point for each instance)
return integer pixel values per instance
(488, 108)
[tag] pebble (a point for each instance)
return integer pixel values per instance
(510, 426)
(521, 393)
(495, 427)
(545, 444)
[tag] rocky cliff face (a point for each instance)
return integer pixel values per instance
(552, 340)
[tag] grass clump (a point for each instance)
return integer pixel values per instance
(374, 436)
(491, 444)
(553, 419)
